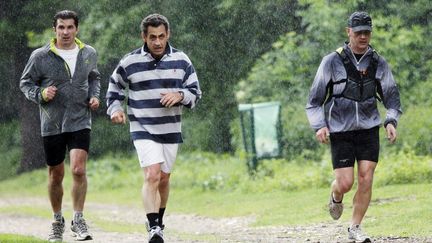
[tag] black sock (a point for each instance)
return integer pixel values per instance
(161, 214)
(153, 219)
(334, 201)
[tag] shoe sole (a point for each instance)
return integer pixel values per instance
(156, 239)
(88, 237)
(358, 241)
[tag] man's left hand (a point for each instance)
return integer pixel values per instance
(94, 103)
(170, 99)
(391, 133)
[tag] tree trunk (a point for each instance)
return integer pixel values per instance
(33, 156)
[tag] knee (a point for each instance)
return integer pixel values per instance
(345, 185)
(56, 176)
(164, 181)
(78, 171)
(152, 177)
(365, 180)
(56, 179)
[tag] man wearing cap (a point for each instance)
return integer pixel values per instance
(342, 109)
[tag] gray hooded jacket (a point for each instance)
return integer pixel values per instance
(69, 111)
(341, 114)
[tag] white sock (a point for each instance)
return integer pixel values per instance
(58, 216)
(77, 215)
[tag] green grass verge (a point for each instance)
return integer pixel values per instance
(9, 238)
(279, 194)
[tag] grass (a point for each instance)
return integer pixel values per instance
(218, 186)
(10, 238)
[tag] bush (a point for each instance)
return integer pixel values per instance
(10, 149)
(109, 138)
(404, 167)
(414, 131)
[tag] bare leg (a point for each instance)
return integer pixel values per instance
(78, 158)
(150, 190)
(164, 188)
(344, 179)
(55, 186)
(364, 191)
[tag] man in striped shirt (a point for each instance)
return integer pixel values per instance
(160, 81)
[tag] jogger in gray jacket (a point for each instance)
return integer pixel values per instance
(342, 114)
(62, 77)
(70, 110)
(342, 109)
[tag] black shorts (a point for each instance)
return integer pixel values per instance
(347, 147)
(55, 146)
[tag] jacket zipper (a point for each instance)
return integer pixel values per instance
(68, 70)
(357, 65)
(357, 115)
(330, 112)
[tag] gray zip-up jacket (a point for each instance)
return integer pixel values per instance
(69, 111)
(340, 114)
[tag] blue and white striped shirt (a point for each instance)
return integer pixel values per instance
(146, 78)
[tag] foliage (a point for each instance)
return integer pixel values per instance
(9, 148)
(404, 168)
(109, 138)
(413, 132)
(286, 72)
(243, 51)
(224, 173)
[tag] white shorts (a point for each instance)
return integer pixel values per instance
(150, 153)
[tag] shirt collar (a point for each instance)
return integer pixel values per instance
(145, 51)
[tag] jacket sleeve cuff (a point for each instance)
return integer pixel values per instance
(44, 95)
(390, 121)
(114, 107)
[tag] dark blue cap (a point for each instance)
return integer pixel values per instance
(360, 21)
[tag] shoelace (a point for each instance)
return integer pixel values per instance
(57, 229)
(81, 225)
(358, 232)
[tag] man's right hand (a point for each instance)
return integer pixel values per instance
(118, 117)
(323, 135)
(49, 92)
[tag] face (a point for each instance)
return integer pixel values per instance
(66, 32)
(359, 41)
(156, 39)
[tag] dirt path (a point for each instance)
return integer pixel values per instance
(180, 228)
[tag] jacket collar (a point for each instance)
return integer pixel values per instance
(52, 46)
(348, 50)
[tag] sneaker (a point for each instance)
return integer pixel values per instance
(356, 234)
(335, 209)
(80, 230)
(147, 225)
(156, 235)
(57, 230)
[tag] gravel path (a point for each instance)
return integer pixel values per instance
(180, 228)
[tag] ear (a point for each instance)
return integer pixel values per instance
(143, 37)
(347, 29)
(168, 34)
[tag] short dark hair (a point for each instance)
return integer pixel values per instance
(65, 14)
(154, 20)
